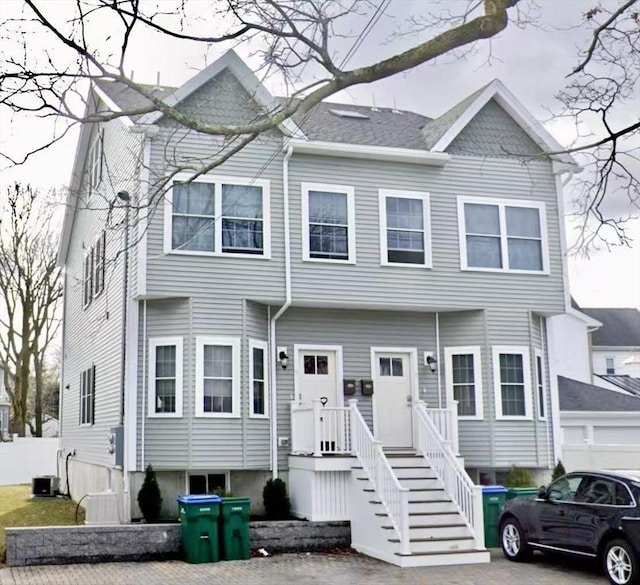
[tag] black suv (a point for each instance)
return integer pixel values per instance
(591, 514)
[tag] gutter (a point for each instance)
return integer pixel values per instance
(272, 321)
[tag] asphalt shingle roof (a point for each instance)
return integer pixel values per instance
(624, 382)
(579, 396)
(620, 327)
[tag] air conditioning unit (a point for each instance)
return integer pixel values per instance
(102, 508)
(44, 486)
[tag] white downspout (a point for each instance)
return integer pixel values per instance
(440, 401)
(283, 308)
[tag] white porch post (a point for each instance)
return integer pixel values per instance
(317, 447)
(352, 402)
(455, 445)
(294, 433)
(478, 517)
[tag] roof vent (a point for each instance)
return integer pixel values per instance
(349, 114)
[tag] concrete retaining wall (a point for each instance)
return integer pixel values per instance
(138, 542)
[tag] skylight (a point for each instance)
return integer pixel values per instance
(349, 114)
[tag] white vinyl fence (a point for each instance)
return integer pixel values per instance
(24, 458)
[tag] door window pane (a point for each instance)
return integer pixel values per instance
(391, 366)
(396, 367)
(309, 364)
(316, 364)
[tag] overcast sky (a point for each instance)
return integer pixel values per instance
(531, 61)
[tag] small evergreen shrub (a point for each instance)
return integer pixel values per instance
(518, 477)
(276, 502)
(558, 471)
(149, 497)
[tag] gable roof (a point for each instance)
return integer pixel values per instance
(623, 381)
(578, 396)
(620, 327)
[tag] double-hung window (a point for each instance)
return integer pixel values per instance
(165, 377)
(258, 379)
(610, 366)
(218, 216)
(540, 386)
(99, 252)
(95, 162)
(512, 380)
(87, 396)
(87, 278)
(502, 235)
(217, 377)
(404, 228)
(463, 374)
(328, 223)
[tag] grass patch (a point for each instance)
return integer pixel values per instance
(18, 508)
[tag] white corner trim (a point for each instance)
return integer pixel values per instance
(131, 388)
(218, 181)
(526, 366)
(298, 348)
(474, 350)
(154, 342)
(143, 219)
(247, 78)
(537, 355)
(126, 120)
(502, 204)
(351, 220)
(234, 343)
(367, 152)
(263, 345)
(497, 90)
(554, 394)
(426, 225)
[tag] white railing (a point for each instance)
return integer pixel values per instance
(457, 483)
(393, 496)
(446, 422)
(320, 430)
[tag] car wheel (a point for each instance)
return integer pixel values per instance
(513, 541)
(620, 563)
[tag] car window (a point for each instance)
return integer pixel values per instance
(597, 490)
(565, 488)
(623, 497)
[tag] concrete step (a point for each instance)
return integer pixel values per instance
(435, 532)
(467, 557)
(439, 545)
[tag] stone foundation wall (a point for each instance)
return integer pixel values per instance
(139, 542)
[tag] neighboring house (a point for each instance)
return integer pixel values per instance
(50, 428)
(616, 345)
(5, 410)
(351, 253)
(601, 428)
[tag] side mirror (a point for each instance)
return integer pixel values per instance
(542, 493)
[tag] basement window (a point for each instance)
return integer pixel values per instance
(207, 483)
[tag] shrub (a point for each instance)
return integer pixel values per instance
(518, 477)
(149, 496)
(276, 502)
(558, 471)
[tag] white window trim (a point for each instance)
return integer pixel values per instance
(537, 354)
(426, 221)
(256, 344)
(226, 473)
(100, 241)
(526, 365)
(218, 180)
(234, 343)
(87, 276)
(502, 203)
(474, 350)
(351, 220)
(154, 342)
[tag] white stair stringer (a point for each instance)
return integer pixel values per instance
(438, 534)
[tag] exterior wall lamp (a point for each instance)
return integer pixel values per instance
(430, 361)
(283, 357)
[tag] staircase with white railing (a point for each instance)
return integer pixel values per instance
(416, 508)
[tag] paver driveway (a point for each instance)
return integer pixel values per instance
(300, 568)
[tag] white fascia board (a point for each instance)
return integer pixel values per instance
(518, 112)
(341, 149)
(112, 105)
(230, 60)
(589, 321)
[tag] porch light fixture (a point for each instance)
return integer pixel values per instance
(283, 358)
(432, 362)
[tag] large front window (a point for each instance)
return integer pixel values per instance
(328, 223)
(165, 377)
(404, 227)
(512, 375)
(218, 216)
(502, 235)
(464, 380)
(217, 376)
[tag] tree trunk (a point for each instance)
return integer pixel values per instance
(37, 366)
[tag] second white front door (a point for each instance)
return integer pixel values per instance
(316, 376)
(393, 398)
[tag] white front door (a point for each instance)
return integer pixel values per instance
(393, 397)
(316, 376)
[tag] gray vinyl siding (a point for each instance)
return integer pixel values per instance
(356, 332)
(196, 443)
(93, 335)
(493, 132)
(445, 286)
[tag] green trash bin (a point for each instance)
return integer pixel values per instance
(234, 528)
(522, 492)
(493, 498)
(199, 527)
